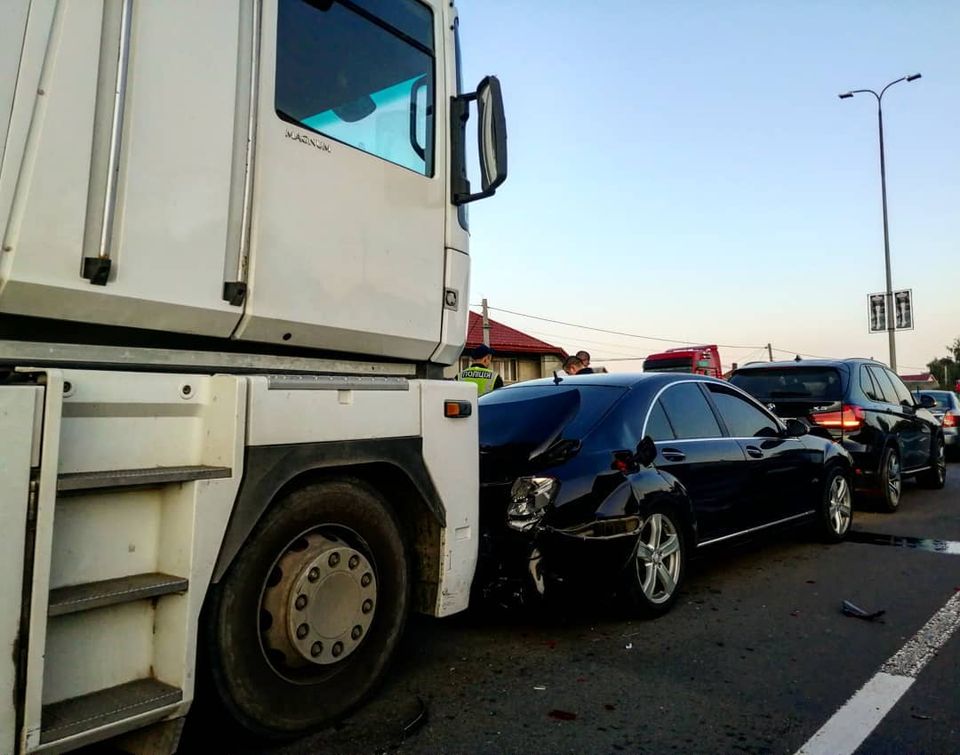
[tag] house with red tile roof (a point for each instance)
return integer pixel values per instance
(517, 355)
(921, 381)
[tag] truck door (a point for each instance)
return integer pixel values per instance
(349, 192)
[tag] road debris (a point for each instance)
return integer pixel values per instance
(562, 715)
(628, 646)
(849, 609)
(417, 722)
(540, 689)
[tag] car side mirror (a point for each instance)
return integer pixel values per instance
(908, 408)
(796, 428)
(646, 451)
(927, 402)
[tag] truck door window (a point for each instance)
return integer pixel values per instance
(360, 72)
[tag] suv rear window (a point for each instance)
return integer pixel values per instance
(943, 399)
(819, 384)
(528, 414)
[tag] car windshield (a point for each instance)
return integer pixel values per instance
(806, 383)
(672, 364)
(531, 415)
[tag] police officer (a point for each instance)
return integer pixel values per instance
(480, 372)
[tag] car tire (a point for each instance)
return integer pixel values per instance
(935, 477)
(278, 666)
(657, 566)
(891, 480)
(835, 511)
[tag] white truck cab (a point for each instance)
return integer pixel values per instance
(233, 264)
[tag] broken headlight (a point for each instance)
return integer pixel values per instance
(529, 499)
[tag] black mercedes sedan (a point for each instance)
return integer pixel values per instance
(613, 480)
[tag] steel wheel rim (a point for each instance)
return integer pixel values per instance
(893, 478)
(840, 505)
(658, 558)
(292, 654)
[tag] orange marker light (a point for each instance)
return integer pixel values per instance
(457, 409)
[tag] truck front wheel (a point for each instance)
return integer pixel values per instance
(304, 624)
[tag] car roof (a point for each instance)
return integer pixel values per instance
(616, 379)
(807, 363)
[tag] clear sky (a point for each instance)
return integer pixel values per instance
(685, 170)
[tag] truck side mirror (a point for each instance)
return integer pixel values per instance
(491, 134)
(491, 137)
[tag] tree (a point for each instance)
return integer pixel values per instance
(947, 369)
(954, 348)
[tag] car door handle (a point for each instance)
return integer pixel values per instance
(672, 454)
(754, 452)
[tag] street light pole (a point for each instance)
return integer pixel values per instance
(891, 321)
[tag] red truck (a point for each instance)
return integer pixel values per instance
(699, 360)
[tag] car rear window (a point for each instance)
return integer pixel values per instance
(944, 399)
(528, 414)
(820, 384)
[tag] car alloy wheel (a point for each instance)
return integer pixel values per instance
(891, 480)
(659, 558)
(839, 506)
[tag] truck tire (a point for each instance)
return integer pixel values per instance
(304, 624)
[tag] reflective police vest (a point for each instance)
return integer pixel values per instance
(484, 377)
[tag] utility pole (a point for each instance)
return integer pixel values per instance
(770, 351)
(486, 324)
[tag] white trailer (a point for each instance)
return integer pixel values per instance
(233, 263)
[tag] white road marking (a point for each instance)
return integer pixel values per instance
(851, 725)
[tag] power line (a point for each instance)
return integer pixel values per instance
(614, 332)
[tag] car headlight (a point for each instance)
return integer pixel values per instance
(529, 499)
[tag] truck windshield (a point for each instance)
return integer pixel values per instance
(673, 364)
(360, 72)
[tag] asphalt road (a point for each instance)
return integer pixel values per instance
(755, 657)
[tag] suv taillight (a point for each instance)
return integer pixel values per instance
(848, 418)
(949, 419)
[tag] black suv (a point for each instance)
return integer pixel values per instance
(865, 407)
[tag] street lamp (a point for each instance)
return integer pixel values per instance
(883, 192)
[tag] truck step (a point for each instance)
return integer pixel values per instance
(79, 714)
(109, 592)
(126, 478)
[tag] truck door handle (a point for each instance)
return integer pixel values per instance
(754, 452)
(672, 454)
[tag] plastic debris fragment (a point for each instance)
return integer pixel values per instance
(849, 609)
